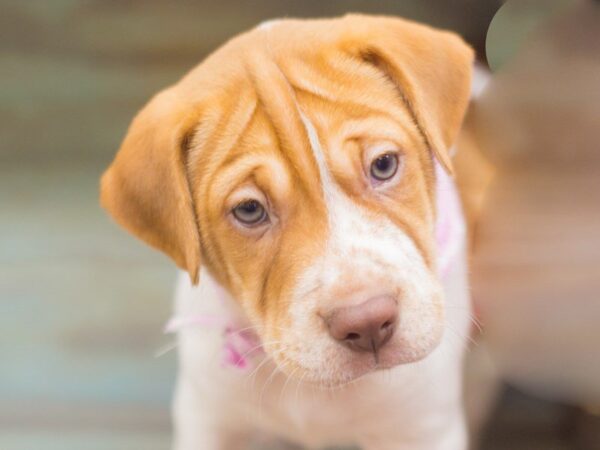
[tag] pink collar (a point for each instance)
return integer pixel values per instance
(239, 343)
(450, 224)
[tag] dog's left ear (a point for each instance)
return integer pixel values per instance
(431, 68)
(146, 189)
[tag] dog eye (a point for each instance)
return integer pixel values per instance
(250, 213)
(384, 166)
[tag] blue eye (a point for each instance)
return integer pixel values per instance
(250, 213)
(384, 167)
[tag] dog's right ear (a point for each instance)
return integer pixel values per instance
(146, 188)
(431, 69)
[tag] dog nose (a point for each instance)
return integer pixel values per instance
(364, 327)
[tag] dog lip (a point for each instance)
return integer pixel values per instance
(366, 367)
(362, 365)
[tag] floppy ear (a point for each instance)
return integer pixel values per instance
(146, 188)
(431, 68)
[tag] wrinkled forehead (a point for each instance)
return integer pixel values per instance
(274, 101)
(280, 122)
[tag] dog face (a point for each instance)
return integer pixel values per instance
(297, 163)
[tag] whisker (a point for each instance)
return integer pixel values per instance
(461, 337)
(477, 323)
(289, 377)
(267, 358)
(251, 378)
(472, 317)
(261, 345)
(298, 388)
(255, 327)
(166, 348)
(265, 384)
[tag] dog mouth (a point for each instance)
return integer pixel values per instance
(344, 367)
(341, 345)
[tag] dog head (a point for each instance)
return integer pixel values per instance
(296, 164)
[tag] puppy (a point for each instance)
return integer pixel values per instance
(301, 176)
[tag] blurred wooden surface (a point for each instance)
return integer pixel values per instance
(537, 267)
(81, 316)
(82, 304)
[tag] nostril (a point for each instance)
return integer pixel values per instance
(366, 326)
(352, 337)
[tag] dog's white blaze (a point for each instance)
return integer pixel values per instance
(352, 227)
(381, 258)
(329, 186)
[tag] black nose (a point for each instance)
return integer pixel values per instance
(365, 327)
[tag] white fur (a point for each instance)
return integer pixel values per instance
(414, 406)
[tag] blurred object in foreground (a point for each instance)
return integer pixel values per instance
(537, 279)
(513, 24)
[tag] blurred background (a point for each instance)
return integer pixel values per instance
(82, 304)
